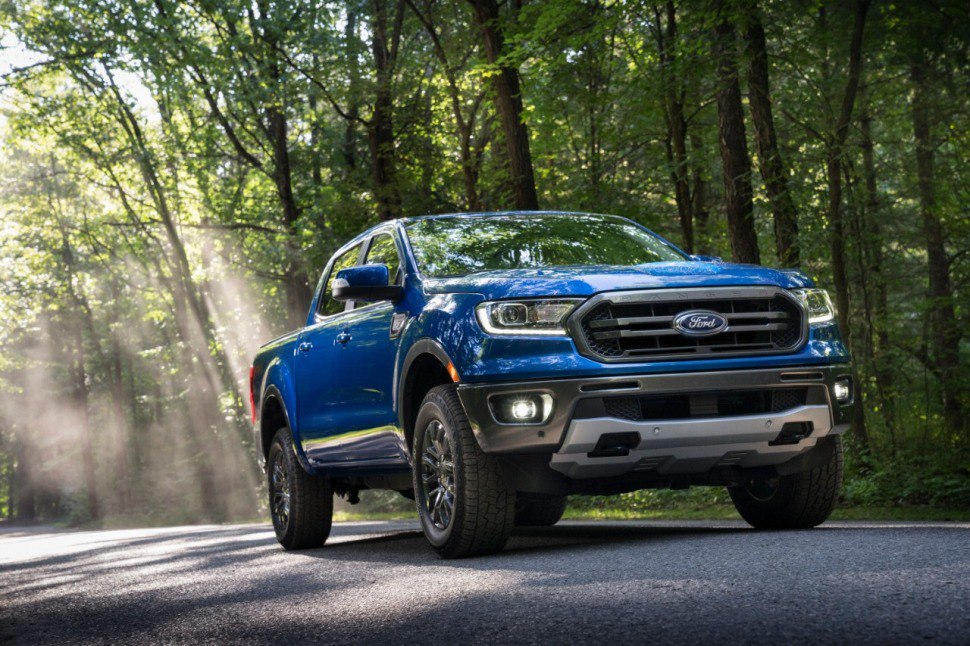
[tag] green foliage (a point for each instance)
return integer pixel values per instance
(174, 176)
(910, 480)
(646, 501)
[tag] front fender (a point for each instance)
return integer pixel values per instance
(446, 328)
(449, 319)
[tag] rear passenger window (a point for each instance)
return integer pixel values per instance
(383, 251)
(328, 306)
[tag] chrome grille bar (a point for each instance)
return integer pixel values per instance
(628, 326)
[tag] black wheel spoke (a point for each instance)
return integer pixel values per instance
(437, 475)
(280, 486)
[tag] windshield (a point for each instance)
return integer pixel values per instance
(456, 246)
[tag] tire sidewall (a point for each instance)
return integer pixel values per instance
(801, 500)
(778, 498)
(430, 411)
(280, 451)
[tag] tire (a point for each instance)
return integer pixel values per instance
(796, 501)
(539, 510)
(307, 499)
(464, 504)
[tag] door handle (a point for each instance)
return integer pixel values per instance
(343, 338)
(305, 347)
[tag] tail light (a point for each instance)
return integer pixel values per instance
(252, 392)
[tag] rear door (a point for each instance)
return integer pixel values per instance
(321, 391)
(365, 362)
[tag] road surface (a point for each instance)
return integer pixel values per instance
(579, 582)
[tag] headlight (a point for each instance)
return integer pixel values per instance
(525, 318)
(818, 304)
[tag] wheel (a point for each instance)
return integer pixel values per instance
(796, 501)
(539, 510)
(301, 504)
(465, 506)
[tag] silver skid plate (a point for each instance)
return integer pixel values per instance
(685, 446)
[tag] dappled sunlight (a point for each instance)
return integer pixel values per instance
(380, 582)
(168, 203)
(142, 427)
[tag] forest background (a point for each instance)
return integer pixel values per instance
(175, 175)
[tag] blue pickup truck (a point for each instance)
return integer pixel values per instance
(490, 365)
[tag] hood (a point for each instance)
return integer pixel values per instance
(585, 281)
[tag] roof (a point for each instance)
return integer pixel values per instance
(480, 214)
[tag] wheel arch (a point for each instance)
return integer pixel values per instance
(275, 414)
(272, 418)
(424, 367)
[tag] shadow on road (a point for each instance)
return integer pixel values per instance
(408, 545)
(381, 582)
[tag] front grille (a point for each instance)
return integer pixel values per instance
(730, 403)
(640, 326)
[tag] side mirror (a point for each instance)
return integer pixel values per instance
(365, 283)
(706, 258)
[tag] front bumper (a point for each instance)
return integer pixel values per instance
(673, 446)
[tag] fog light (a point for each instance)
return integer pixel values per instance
(521, 408)
(842, 389)
(524, 409)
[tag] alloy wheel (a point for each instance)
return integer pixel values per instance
(281, 493)
(438, 475)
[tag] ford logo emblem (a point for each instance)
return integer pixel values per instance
(699, 323)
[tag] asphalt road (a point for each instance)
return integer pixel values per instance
(574, 583)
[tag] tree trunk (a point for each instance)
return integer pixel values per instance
(464, 126)
(673, 105)
(11, 482)
(83, 411)
(833, 169)
(833, 166)
(78, 360)
(380, 129)
(734, 148)
(266, 72)
(946, 335)
(877, 323)
(25, 502)
(349, 147)
(508, 102)
(128, 452)
(201, 415)
(296, 281)
(198, 330)
(833, 174)
(698, 198)
(597, 101)
(773, 170)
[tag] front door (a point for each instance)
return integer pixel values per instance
(365, 362)
(320, 388)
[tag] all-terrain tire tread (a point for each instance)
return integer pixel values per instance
(312, 501)
(488, 517)
(803, 500)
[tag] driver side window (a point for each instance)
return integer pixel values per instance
(329, 306)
